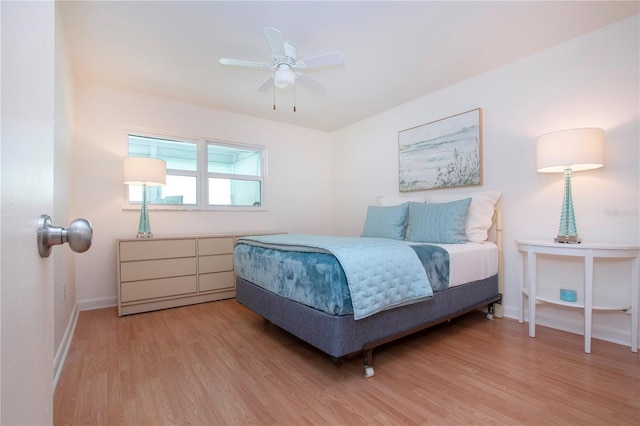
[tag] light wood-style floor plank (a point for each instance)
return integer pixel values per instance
(219, 364)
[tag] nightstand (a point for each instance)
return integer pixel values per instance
(529, 249)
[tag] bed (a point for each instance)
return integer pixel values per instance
(349, 295)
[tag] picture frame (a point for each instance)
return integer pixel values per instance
(445, 153)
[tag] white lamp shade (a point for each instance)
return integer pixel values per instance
(575, 149)
(145, 171)
(284, 77)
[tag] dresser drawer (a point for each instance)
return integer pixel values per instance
(220, 245)
(217, 281)
(157, 249)
(149, 289)
(222, 262)
(150, 269)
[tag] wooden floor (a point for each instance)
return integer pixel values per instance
(218, 363)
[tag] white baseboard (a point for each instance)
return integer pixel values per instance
(103, 302)
(609, 331)
(510, 312)
(63, 349)
(599, 329)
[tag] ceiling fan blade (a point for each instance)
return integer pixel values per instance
(326, 59)
(276, 43)
(268, 84)
(243, 63)
(309, 83)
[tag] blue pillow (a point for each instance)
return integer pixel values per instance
(441, 223)
(386, 222)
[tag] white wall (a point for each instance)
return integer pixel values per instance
(298, 187)
(592, 81)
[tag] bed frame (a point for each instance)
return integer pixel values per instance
(342, 336)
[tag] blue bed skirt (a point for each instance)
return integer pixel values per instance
(341, 335)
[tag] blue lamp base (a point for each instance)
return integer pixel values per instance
(144, 227)
(567, 239)
(567, 233)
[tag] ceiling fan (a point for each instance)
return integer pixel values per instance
(285, 65)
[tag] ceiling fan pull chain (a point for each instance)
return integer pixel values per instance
(294, 98)
(274, 98)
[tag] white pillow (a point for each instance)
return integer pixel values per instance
(395, 200)
(480, 211)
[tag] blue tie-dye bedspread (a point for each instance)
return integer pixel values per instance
(436, 263)
(362, 276)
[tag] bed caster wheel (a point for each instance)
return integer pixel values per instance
(368, 372)
(491, 309)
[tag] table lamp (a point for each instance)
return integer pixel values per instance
(567, 151)
(147, 172)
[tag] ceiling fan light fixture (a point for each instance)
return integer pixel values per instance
(284, 64)
(284, 77)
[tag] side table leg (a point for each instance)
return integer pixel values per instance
(588, 300)
(531, 281)
(521, 286)
(635, 282)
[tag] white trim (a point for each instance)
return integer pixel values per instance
(561, 322)
(201, 174)
(510, 311)
(102, 302)
(65, 344)
(576, 326)
(63, 349)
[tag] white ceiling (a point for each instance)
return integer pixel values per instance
(394, 51)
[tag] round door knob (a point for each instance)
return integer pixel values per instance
(79, 235)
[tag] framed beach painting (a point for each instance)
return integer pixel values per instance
(442, 154)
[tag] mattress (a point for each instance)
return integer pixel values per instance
(317, 279)
(470, 262)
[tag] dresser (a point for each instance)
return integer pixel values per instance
(166, 272)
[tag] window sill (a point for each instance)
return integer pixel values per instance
(181, 208)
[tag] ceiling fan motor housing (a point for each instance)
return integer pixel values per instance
(284, 76)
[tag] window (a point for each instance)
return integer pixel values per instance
(201, 174)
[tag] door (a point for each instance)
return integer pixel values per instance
(26, 191)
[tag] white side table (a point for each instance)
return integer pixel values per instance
(588, 251)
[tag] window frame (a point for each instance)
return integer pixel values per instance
(201, 174)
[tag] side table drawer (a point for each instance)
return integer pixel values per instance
(217, 281)
(149, 289)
